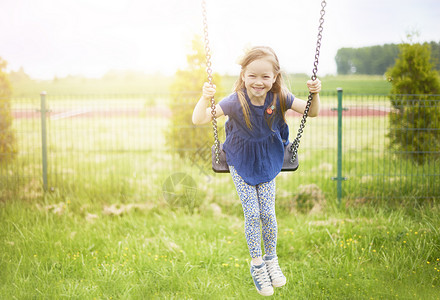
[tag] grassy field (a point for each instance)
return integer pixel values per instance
(72, 247)
(106, 230)
(353, 84)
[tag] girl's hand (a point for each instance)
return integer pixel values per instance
(208, 91)
(314, 86)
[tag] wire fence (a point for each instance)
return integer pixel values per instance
(122, 145)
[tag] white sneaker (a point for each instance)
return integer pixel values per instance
(276, 276)
(261, 280)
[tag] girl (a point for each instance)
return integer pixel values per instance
(256, 132)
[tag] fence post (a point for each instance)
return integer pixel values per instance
(44, 138)
(339, 177)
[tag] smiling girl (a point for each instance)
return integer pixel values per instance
(256, 132)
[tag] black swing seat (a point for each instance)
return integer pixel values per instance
(222, 166)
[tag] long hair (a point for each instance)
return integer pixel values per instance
(278, 88)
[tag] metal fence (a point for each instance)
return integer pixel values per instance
(116, 145)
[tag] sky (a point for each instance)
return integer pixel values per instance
(90, 37)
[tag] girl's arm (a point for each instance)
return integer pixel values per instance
(299, 105)
(202, 111)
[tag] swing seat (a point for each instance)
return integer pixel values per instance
(222, 166)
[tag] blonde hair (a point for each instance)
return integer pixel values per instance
(278, 88)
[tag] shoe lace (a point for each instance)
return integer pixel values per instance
(274, 268)
(262, 277)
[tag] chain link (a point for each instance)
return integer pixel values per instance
(209, 72)
(295, 143)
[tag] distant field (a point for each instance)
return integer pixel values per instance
(352, 84)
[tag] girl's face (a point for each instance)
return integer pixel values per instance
(258, 78)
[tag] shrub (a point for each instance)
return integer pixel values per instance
(8, 144)
(182, 136)
(415, 120)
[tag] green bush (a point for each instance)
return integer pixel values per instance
(8, 144)
(182, 136)
(415, 119)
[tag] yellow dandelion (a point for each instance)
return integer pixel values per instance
(237, 265)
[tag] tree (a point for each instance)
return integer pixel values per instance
(182, 136)
(415, 120)
(8, 144)
(366, 60)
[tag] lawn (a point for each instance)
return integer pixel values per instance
(110, 227)
(71, 247)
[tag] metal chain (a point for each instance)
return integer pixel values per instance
(209, 72)
(295, 143)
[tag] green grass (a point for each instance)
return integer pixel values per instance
(106, 231)
(69, 247)
(353, 84)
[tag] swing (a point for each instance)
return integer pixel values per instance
(290, 163)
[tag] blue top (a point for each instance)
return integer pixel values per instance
(257, 154)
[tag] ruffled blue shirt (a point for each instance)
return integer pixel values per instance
(256, 154)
